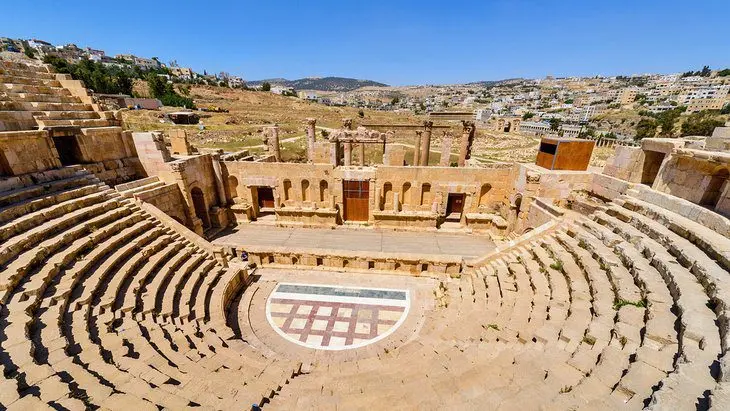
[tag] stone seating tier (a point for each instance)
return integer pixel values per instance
(86, 277)
(32, 97)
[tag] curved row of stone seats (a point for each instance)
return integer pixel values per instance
(518, 324)
(91, 287)
(32, 97)
(693, 260)
(610, 312)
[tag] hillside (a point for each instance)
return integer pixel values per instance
(321, 83)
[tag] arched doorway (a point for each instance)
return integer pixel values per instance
(714, 190)
(201, 210)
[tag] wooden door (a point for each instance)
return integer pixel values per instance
(455, 204)
(356, 196)
(266, 197)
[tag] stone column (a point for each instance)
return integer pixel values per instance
(417, 149)
(348, 153)
(426, 143)
(362, 154)
(273, 142)
(395, 201)
(335, 153)
(467, 135)
(377, 201)
(220, 180)
(311, 138)
(446, 149)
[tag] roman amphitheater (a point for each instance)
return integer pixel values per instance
(138, 273)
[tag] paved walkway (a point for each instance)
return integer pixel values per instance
(433, 243)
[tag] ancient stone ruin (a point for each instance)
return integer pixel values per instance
(588, 289)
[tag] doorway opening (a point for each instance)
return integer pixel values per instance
(356, 196)
(454, 206)
(652, 161)
(714, 190)
(265, 197)
(201, 210)
(68, 150)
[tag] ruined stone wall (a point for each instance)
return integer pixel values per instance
(105, 143)
(626, 164)
(179, 142)
(24, 152)
(293, 184)
(168, 199)
(485, 188)
(689, 178)
(152, 153)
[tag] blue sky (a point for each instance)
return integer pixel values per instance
(395, 42)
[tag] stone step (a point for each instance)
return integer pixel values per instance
(36, 97)
(14, 72)
(34, 89)
(83, 123)
(43, 106)
(33, 81)
(67, 115)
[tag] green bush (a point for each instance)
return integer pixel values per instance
(701, 124)
(176, 100)
(96, 76)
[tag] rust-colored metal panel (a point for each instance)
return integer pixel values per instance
(574, 155)
(565, 154)
(356, 196)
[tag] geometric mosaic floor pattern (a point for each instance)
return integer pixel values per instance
(328, 317)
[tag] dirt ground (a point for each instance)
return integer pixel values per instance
(250, 111)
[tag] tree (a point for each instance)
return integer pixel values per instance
(724, 72)
(528, 115)
(555, 123)
(702, 123)
(726, 109)
(361, 113)
(158, 85)
(395, 101)
(667, 119)
(266, 86)
(29, 52)
(646, 128)
(705, 71)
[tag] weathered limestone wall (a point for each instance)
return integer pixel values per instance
(690, 178)
(152, 152)
(311, 194)
(24, 152)
(179, 142)
(373, 262)
(113, 172)
(485, 188)
(168, 199)
(608, 187)
(625, 164)
(533, 182)
(295, 186)
(105, 143)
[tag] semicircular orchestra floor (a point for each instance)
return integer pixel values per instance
(310, 315)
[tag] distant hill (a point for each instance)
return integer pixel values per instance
(321, 83)
(492, 83)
